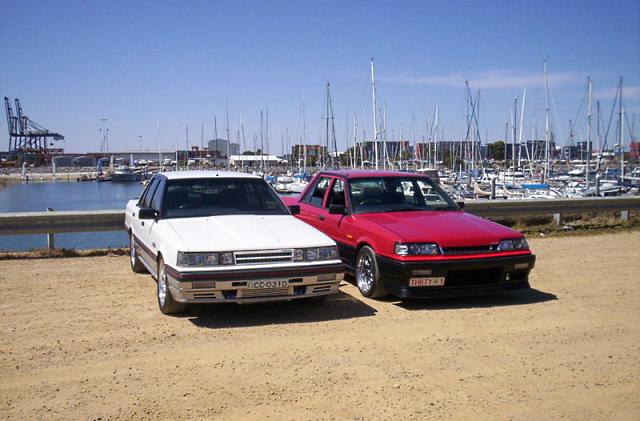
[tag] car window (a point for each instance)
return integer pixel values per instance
(220, 196)
(397, 194)
(145, 191)
(145, 201)
(336, 194)
(156, 199)
(316, 197)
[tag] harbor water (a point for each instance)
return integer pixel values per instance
(63, 195)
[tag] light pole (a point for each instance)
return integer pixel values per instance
(140, 138)
(104, 131)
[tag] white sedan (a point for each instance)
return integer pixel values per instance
(217, 237)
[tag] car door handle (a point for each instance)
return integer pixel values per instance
(321, 218)
(142, 223)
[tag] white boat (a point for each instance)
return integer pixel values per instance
(125, 174)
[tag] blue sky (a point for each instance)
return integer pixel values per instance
(137, 62)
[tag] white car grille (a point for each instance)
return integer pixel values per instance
(262, 257)
(265, 292)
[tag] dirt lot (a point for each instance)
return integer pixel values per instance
(82, 338)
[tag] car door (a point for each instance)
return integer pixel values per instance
(143, 202)
(311, 210)
(150, 228)
(336, 196)
(340, 227)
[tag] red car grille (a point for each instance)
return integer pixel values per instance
(470, 250)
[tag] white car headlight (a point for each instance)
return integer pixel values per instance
(227, 258)
(298, 255)
(328, 253)
(315, 253)
(414, 249)
(197, 259)
(312, 254)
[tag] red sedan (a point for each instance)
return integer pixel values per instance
(400, 233)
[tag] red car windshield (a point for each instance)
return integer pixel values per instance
(397, 194)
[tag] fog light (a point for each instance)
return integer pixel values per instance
(327, 277)
(521, 266)
(422, 272)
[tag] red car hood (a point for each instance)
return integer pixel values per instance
(446, 228)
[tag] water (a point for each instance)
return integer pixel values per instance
(62, 195)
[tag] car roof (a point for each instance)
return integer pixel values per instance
(182, 175)
(370, 173)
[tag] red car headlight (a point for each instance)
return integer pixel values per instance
(416, 249)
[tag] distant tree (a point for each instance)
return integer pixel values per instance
(496, 150)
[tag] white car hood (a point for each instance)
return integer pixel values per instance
(246, 232)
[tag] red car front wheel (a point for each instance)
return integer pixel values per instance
(368, 275)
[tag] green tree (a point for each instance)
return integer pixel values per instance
(496, 150)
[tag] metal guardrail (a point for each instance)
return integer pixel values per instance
(17, 223)
(498, 208)
(60, 221)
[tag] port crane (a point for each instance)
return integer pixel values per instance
(25, 135)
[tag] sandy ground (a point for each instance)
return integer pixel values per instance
(82, 339)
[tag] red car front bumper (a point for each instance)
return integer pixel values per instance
(463, 277)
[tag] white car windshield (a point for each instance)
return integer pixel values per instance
(397, 194)
(220, 196)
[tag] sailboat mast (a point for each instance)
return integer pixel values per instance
(304, 135)
(244, 143)
(524, 99)
(327, 131)
(435, 139)
(215, 139)
(515, 130)
(621, 128)
(228, 137)
(588, 168)
(355, 141)
(261, 141)
(375, 123)
(266, 139)
(547, 135)
(385, 152)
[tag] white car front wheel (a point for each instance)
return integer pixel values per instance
(165, 300)
(136, 264)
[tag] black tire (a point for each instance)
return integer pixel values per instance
(368, 275)
(165, 300)
(134, 259)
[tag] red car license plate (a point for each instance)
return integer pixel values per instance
(427, 282)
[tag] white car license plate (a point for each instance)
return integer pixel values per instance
(268, 283)
(436, 281)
